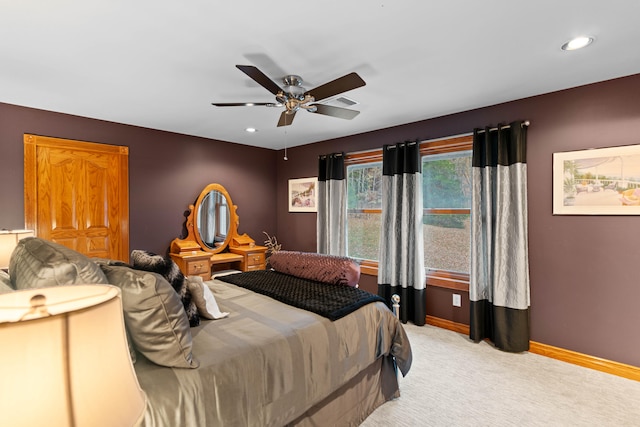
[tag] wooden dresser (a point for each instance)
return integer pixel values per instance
(223, 248)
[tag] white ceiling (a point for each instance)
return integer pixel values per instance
(159, 63)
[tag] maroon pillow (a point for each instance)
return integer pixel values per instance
(320, 267)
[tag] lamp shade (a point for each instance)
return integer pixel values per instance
(64, 359)
(8, 241)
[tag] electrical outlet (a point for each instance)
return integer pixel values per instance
(456, 300)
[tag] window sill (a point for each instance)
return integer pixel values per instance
(369, 268)
(454, 282)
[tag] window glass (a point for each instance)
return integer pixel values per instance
(363, 235)
(446, 180)
(364, 203)
(447, 242)
(364, 186)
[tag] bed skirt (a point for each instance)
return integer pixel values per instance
(352, 403)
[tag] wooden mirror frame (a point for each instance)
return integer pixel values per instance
(233, 218)
(193, 241)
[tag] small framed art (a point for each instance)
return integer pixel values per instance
(303, 195)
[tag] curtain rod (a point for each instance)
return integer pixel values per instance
(525, 123)
(324, 156)
(392, 146)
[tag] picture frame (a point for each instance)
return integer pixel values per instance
(303, 195)
(599, 181)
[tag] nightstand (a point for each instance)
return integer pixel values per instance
(195, 263)
(253, 257)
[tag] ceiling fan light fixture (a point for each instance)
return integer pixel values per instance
(577, 43)
(295, 91)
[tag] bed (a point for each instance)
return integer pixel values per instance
(271, 364)
(266, 363)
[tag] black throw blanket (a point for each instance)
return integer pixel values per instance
(330, 301)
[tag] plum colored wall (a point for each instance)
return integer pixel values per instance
(584, 285)
(583, 269)
(167, 172)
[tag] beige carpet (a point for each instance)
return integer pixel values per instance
(455, 382)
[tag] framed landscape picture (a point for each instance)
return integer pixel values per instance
(600, 181)
(303, 195)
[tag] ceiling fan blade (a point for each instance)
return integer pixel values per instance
(243, 104)
(286, 118)
(334, 87)
(260, 78)
(330, 110)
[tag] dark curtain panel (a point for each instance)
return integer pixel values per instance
(499, 280)
(332, 205)
(401, 260)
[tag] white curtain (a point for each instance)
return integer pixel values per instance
(499, 279)
(401, 258)
(332, 205)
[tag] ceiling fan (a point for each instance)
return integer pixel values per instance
(295, 97)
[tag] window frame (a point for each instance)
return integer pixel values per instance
(434, 277)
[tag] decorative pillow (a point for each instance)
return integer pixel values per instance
(204, 299)
(106, 261)
(320, 267)
(154, 317)
(39, 263)
(164, 266)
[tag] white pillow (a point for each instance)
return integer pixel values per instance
(221, 273)
(5, 283)
(204, 299)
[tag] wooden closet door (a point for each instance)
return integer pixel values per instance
(77, 194)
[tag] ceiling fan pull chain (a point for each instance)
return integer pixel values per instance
(285, 145)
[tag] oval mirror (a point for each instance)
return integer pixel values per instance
(214, 218)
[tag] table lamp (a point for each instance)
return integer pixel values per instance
(64, 359)
(8, 241)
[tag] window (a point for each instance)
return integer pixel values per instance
(446, 188)
(364, 209)
(446, 173)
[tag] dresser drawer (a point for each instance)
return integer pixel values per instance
(195, 268)
(255, 259)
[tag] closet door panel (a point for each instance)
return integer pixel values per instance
(81, 195)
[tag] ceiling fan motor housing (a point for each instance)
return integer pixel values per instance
(293, 87)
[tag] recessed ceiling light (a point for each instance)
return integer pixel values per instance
(577, 43)
(251, 130)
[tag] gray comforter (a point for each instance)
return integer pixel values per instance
(268, 362)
